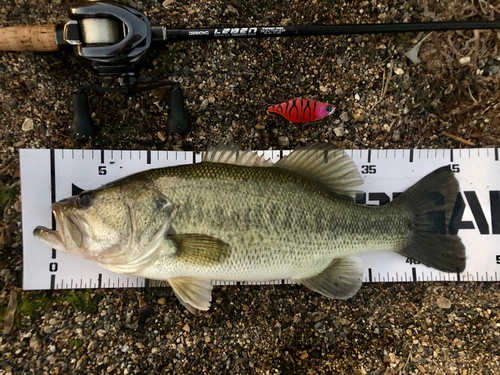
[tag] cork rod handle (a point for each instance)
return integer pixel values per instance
(28, 38)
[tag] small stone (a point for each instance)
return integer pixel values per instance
(323, 89)
(358, 39)
(18, 206)
(186, 328)
(359, 115)
(101, 333)
(204, 105)
(283, 142)
(47, 329)
(162, 301)
(260, 127)
(52, 348)
(298, 77)
(399, 71)
(211, 99)
(464, 60)
(92, 346)
(443, 303)
(344, 116)
(207, 339)
(339, 91)
(396, 135)
(229, 324)
(80, 318)
(111, 368)
(53, 321)
(357, 97)
(139, 345)
(28, 125)
(421, 368)
(338, 132)
(166, 3)
(125, 348)
(304, 356)
(36, 343)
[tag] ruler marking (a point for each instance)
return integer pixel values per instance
(496, 153)
(102, 156)
(414, 273)
(52, 281)
(281, 154)
(99, 281)
(148, 157)
(369, 156)
(194, 157)
(370, 278)
(451, 155)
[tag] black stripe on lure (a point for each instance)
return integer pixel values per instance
(302, 110)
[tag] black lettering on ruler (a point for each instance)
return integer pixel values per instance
(370, 276)
(477, 211)
(411, 156)
(99, 281)
(369, 156)
(495, 211)
(382, 198)
(360, 198)
(194, 157)
(414, 273)
(148, 157)
(456, 222)
(75, 190)
(451, 155)
(102, 156)
(281, 154)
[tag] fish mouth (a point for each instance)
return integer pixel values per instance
(69, 227)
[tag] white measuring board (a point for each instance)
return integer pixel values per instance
(51, 175)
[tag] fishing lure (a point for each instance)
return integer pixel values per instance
(302, 110)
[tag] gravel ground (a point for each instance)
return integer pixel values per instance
(449, 99)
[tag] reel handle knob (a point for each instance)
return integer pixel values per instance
(178, 120)
(82, 126)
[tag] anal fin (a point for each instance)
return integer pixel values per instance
(341, 279)
(195, 294)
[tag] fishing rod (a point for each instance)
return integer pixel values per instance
(113, 40)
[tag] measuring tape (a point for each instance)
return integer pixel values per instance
(51, 175)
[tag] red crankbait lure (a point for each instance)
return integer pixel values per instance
(302, 110)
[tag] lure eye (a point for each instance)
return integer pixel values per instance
(329, 108)
(84, 200)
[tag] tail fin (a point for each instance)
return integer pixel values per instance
(431, 202)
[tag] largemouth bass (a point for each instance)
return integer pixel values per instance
(239, 217)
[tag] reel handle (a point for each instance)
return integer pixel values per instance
(178, 120)
(82, 126)
(28, 38)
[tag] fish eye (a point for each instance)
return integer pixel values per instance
(84, 200)
(329, 108)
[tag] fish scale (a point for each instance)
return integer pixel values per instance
(287, 214)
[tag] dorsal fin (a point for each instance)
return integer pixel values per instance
(327, 165)
(231, 154)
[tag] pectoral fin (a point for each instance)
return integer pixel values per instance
(341, 279)
(194, 294)
(199, 249)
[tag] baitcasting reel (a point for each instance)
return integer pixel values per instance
(112, 40)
